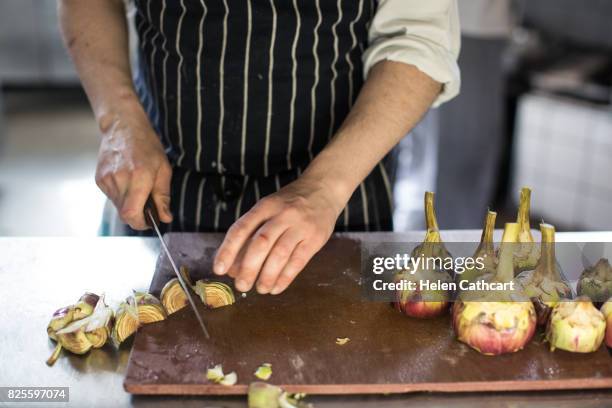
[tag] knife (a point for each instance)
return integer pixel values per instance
(152, 219)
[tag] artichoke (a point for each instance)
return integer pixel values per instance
(85, 306)
(264, 371)
(494, 328)
(596, 281)
(82, 335)
(606, 309)
(149, 308)
(527, 253)
(496, 323)
(214, 294)
(426, 303)
(126, 321)
(173, 296)
(60, 319)
(576, 326)
(66, 315)
(545, 285)
(263, 395)
(216, 375)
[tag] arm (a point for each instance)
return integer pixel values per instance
(131, 161)
(408, 71)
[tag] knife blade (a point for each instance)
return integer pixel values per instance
(152, 219)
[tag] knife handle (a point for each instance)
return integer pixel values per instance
(150, 205)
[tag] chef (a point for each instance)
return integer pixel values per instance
(271, 120)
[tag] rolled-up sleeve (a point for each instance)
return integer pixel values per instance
(423, 33)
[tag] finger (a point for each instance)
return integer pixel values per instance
(161, 193)
(132, 208)
(239, 233)
(113, 190)
(232, 272)
(106, 183)
(108, 187)
(121, 182)
(277, 259)
(298, 260)
(257, 251)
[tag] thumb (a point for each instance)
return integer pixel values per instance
(161, 193)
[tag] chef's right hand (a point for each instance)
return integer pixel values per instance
(132, 165)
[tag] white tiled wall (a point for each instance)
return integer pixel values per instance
(563, 151)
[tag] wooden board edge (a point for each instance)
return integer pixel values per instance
(339, 389)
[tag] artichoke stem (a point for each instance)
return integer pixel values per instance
(55, 355)
(486, 238)
(522, 217)
(505, 269)
(430, 212)
(548, 259)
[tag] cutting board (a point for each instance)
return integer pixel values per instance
(296, 332)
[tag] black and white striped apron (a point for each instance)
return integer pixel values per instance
(244, 93)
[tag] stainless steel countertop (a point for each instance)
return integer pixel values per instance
(40, 275)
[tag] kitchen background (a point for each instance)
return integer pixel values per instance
(536, 110)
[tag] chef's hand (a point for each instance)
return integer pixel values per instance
(132, 165)
(274, 241)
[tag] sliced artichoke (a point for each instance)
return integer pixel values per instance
(216, 375)
(173, 296)
(214, 294)
(100, 326)
(341, 341)
(126, 321)
(85, 306)
(229, 379)
(60, 319)
(82, 335)
(150, 309)
(264, 371)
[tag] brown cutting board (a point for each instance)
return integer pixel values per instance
(296, 332)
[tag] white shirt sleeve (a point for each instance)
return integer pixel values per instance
(423, 33)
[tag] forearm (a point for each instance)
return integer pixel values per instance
(392, 101)
(96, 36)
(132, 165)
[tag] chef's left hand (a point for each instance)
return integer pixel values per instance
(274, 240)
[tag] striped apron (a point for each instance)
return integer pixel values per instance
(244, 93)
